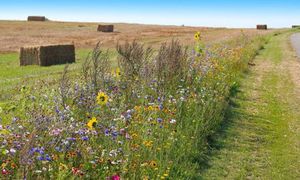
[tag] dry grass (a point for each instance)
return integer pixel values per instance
(16, 34)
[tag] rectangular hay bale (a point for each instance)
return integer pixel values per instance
(47, 55)
(29, 56)
(262, 27)
(36, 18)
(105, 28)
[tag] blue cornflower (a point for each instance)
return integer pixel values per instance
(159, 120)
(115, 134)
(161, 107)
(40, 158)
(106, 132)
(71, 139)
(85, 138)
(47, 157)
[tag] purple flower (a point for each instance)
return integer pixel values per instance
(58, 149)
(159, 120)
(159, 99)
(56, 132)
(71, 139)
(40, 158)
(85, 138)
(47, 157)
(106, 132)
(13, 151)
(57, 110)
(114, 134)
(80, 132)
(161, 107)
(14, 119)
(44, 158)
(128, 116)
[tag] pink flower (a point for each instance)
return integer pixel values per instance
(4, 172)
(115, 177)
(55, 132)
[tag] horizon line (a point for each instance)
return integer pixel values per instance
(154, 24)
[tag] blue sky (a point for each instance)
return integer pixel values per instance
(215, 13)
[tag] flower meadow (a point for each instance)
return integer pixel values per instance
(147, 118)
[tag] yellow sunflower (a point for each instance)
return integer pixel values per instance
(197, 36)
(91, 124)
(153, 164)
(102, 98)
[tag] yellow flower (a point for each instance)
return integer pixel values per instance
(166, 175)
(102, 98)
(62, 167)
(150, 108)
(4, 132)
(118, 72)
(135, 147)
(134, 135)
(197, 36)
(91, 124)
(148, 143)
(153, 164)
(137, 108)
(3, 165)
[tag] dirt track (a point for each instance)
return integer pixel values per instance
(295, 38)
(15, 34)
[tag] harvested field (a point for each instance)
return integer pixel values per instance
(17, 34)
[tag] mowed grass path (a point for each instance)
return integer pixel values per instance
(261, 136)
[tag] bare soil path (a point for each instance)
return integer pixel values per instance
(295, 39)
